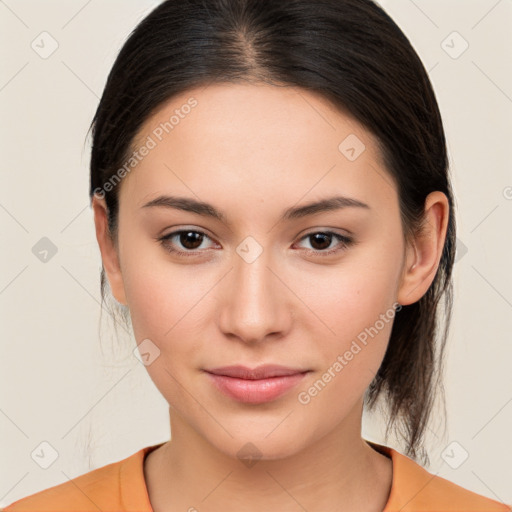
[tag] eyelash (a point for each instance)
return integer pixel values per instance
(345, 242)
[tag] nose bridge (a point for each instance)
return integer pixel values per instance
(254, 304)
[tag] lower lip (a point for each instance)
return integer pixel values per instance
(256, 391)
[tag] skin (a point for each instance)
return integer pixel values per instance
(253, 151)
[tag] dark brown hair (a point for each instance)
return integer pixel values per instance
(349, 52)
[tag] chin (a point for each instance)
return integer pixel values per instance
(260, 445)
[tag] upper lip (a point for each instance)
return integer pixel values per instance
(260, 372)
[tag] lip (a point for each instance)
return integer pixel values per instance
(264, 371)
(259, 385)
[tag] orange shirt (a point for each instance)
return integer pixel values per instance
(121, 487)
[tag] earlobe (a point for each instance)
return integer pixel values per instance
(109, 253)
(423, 254)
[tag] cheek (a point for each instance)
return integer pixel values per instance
(149, 297)
(161, 295)
(357, 303)
(353, 295)
(164, 307)
(362, 318)
(165, 303)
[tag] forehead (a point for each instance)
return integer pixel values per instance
(255, 141)
(251, 113)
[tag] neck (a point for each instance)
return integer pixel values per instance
(339, 472)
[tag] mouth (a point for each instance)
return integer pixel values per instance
(255, 386)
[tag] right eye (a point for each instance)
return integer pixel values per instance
(190, 240)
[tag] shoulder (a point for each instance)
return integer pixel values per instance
(416, 489)
(108, 488)
(83, 492)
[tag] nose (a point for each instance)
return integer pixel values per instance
(256, 303)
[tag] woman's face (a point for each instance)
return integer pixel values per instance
(266, 283)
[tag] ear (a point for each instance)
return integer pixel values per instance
(424, 252)
(109, 252)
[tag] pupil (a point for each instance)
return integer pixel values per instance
(190, 236)
(324, 237)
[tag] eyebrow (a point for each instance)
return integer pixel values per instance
(296, 212)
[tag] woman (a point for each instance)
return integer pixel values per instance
(272, 204)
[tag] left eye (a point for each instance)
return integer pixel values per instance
(191, 241)
(324, 239)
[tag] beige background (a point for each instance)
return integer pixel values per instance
(90, 399)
